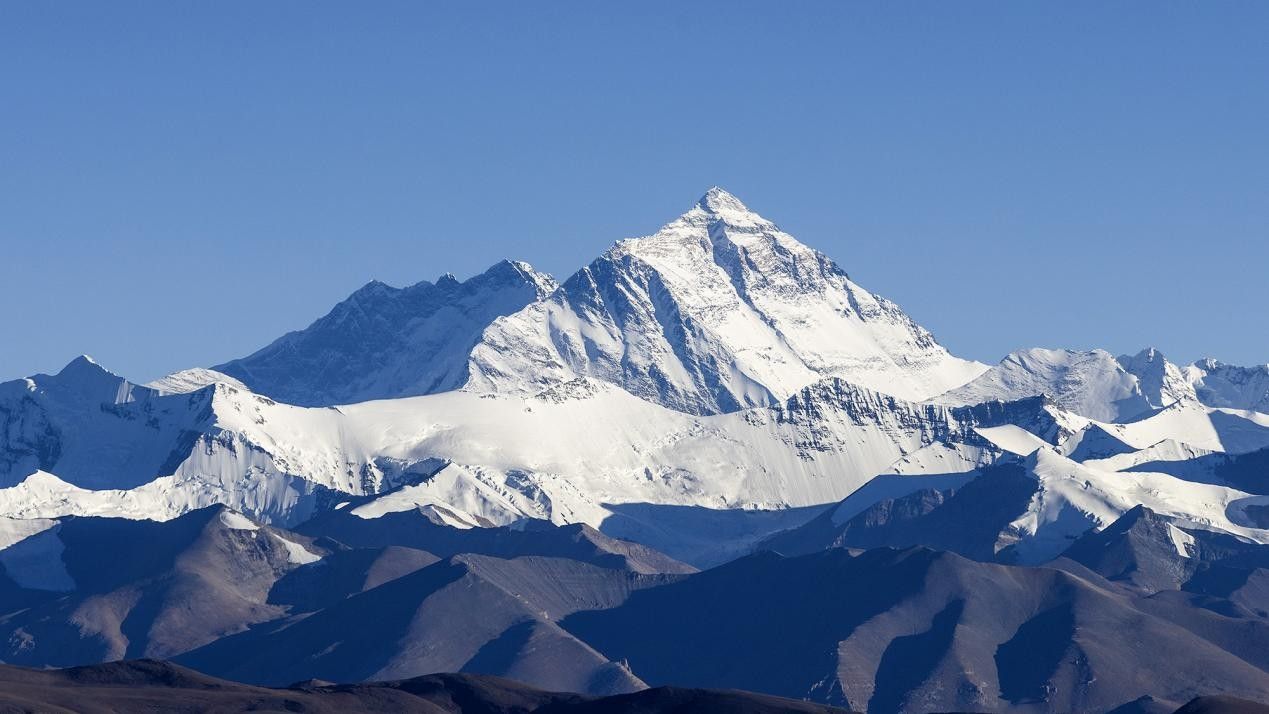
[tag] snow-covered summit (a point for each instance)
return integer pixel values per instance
(720, 204)
(384, 342)
(717, 311)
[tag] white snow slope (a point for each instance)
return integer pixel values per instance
(87, 442)
(582, 451)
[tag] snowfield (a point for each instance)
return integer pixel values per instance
(578, 451)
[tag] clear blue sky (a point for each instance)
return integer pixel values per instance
(181, 182)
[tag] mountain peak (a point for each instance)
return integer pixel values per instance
(82, 361)
(384, 342)
(718, 200)
(718, 207)
(90, 380)
(717, 311)
(372, 290)
(520, 271)
(85, 367)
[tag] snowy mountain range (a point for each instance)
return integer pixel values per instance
(718, 311)
(706, 392)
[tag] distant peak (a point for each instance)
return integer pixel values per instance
(717, 200)
(1149, 354)
(91, 380)
(510, 267)
(522, 266)
(83, 364)
(373, 288)
(519, 270)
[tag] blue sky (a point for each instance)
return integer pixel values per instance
(182, 182)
